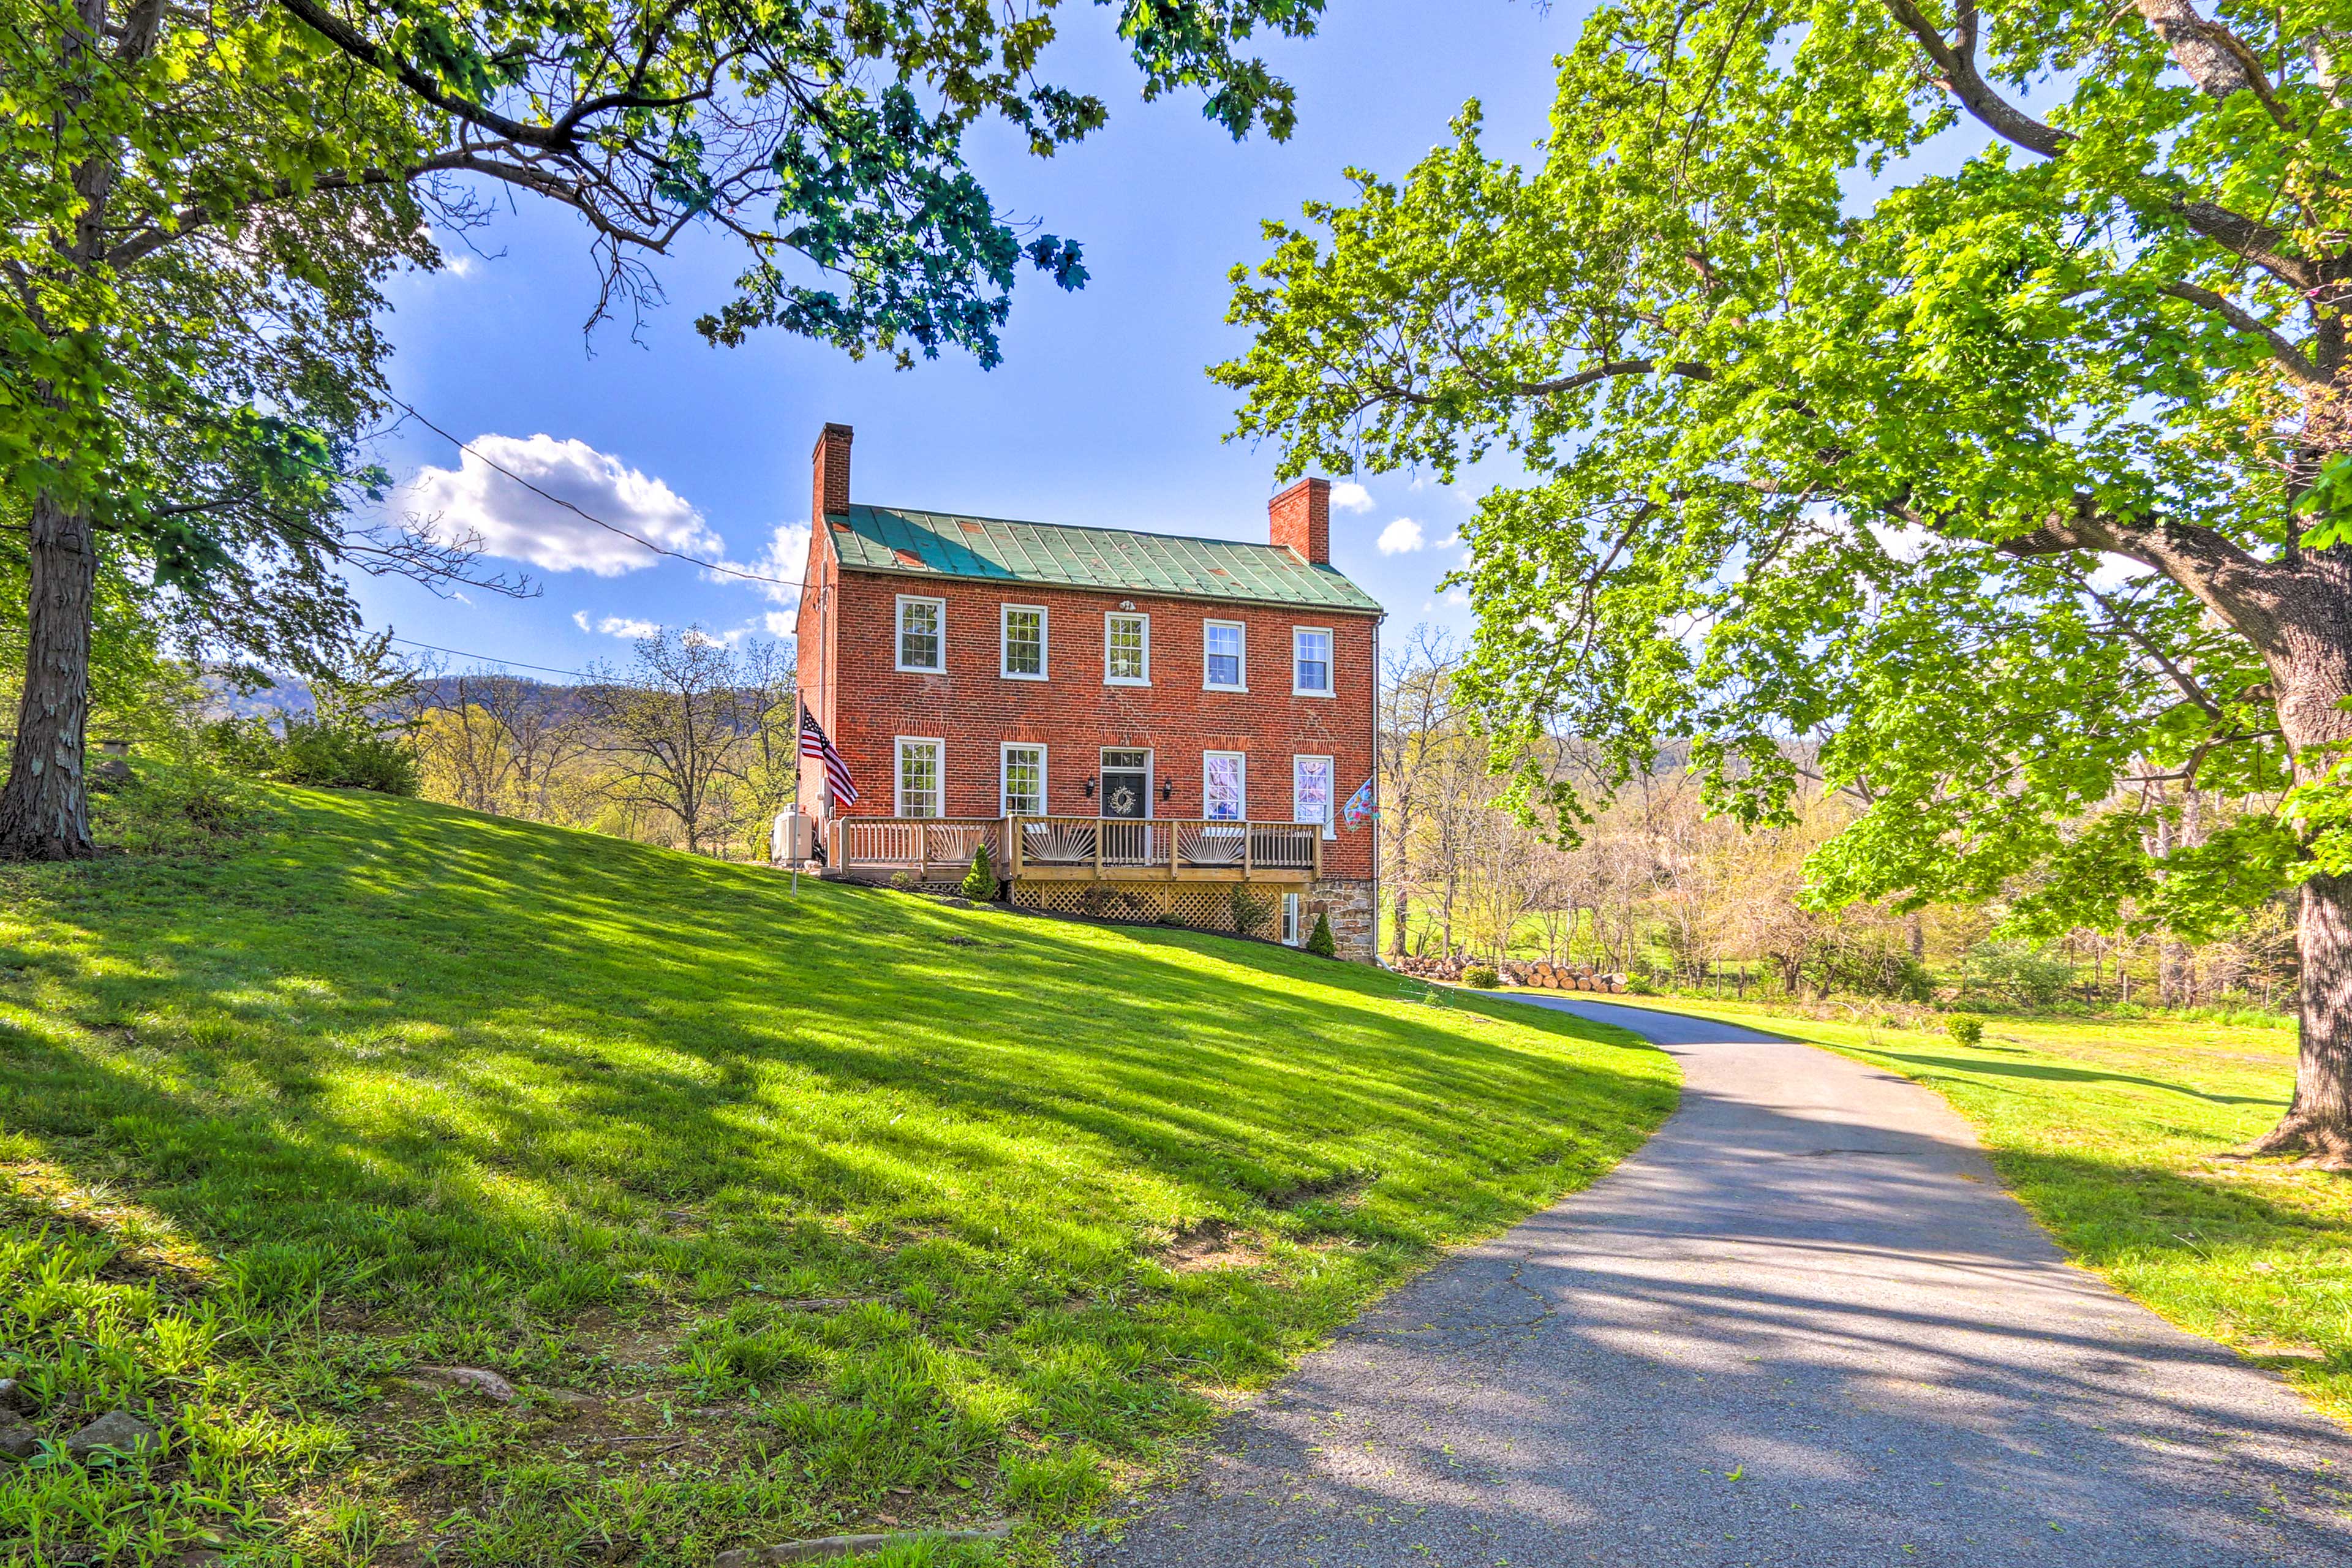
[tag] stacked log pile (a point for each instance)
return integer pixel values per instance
(1542, 974)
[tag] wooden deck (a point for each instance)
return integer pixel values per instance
(1078, 848)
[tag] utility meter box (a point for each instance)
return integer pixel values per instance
(794, 840)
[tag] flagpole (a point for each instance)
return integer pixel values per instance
(798, 761)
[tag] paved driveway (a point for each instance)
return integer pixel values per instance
(1802, 1328)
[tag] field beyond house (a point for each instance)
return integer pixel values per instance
(2117, 1134)
(776, 1215)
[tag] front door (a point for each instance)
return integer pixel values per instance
(1127, 783)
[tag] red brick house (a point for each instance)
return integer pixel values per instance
(1138, 725)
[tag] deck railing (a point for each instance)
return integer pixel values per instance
(1082, 848)
(1178, 849)
(922, 846)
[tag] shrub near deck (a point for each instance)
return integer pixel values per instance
(786, 1215)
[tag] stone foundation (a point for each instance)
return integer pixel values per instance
(1353, 904)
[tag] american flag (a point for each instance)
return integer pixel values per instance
(813, 743)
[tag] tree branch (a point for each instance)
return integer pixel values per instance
(145, 241)
(559, 137)
(2245, 591)
(2283, 349)
(2208, 54)
(2240, 235)
(1612, 369)
(1964, 81)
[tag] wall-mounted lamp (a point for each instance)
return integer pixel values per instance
(1087, 788)
(1167, 789)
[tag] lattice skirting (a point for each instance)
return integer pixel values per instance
(1202, 907)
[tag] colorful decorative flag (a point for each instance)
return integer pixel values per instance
(1359, 809)
(814, 744)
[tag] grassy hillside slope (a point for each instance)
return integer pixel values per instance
(785, 1215)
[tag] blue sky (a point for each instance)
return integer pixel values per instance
(1100, 413)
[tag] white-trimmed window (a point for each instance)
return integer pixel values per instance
(1024, 641)
(922, 634)
(1127, 650)
(1224, 786)
(1022, 775)
(920, 775)
(1224, 657)
(1310, 791)
(1290, 907)
(1310, 662)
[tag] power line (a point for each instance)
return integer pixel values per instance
(573, 507)
(487, 658)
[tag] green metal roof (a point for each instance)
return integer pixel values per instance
(932, 544)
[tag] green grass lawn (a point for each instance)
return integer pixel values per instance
(2116, 1135)
(787, 1215)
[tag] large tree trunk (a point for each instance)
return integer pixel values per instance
(2319, 1122)
(45, 806)
(2311, 666)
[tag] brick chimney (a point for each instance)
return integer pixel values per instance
(830, 470)
(1300, 518)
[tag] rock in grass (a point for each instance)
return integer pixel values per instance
(825, 1546)
(17, 1436)
(116, 1429)
(13, 1395)
(474, 1377)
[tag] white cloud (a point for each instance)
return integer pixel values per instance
(1349, 495)
(780, 624)
(1451, 541)
(1402, 535)
(627, 627)
(782, 562)
(514, 521)
(1457, 598)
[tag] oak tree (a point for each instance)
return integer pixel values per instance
(197, 202)
(1948, 395)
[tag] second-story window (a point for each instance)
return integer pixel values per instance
(1222, 667)
(922, 633)
(1310, 662)
(1127, 650)
(1024, 642)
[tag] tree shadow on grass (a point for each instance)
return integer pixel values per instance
(2052, 1073)
(431, 1040)
(1841, 1317)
